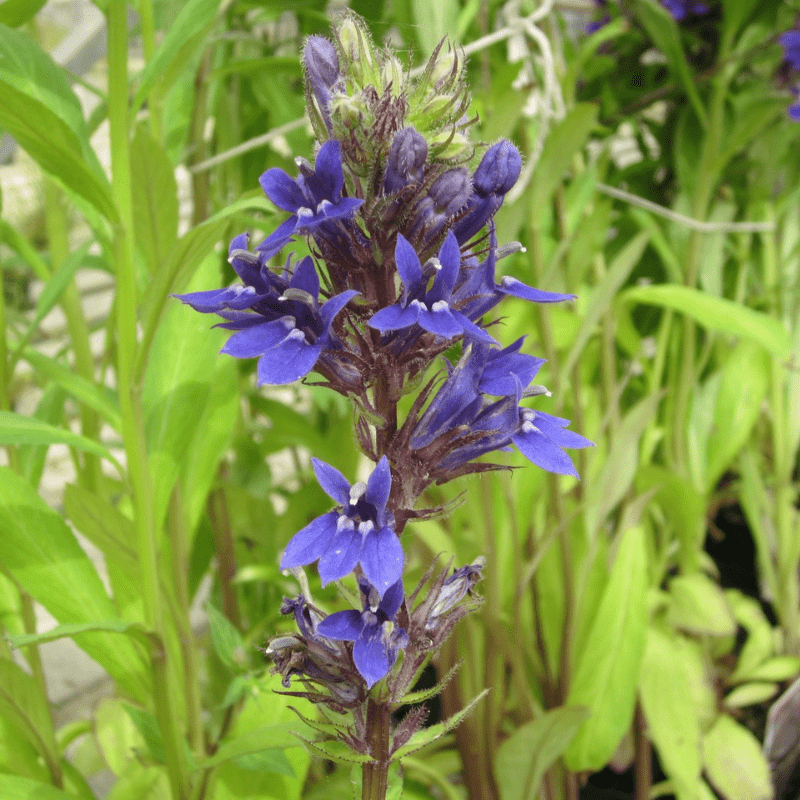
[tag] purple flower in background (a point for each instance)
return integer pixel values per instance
(277, 319)
(314, 198)
(680, 9)
(794, 109)
(790, 42)
(374, 631)
(430, 309)
(361, 532)
(593, 27)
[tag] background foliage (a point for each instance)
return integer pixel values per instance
(608, 631)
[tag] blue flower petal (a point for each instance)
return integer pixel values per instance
(439, 320)
(333, 483)
(342, 625)
(288, 361)
(256, 340)
(379, 485)
(407, 262)
(326, 183)
(515, 288)
(382, 558)
(310, 543)
(276, 240)
(392, 599)
(394, 318)
(343, 207)
(372, 656)
(212, 301)
(305, 277)
(282, 190)
(450, 259)
(557, 433)
(536, 447)
(471, 329)
(332, 307)
(342, 556)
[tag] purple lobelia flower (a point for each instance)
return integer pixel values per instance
(496, 174)
(374, 631)
(361, 532)
(430, 309)
(462, 423)
(790, 42)
(476, 292)
(314, 197)
(680, 9)
(277, 319)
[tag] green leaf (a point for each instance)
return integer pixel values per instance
(155, 199)
(750, 694)
(17, 12)
(412, 698)
(13, 787)
(563, 141)
(30, 70)
(606, 671)
(671, 679)
(103, 525)
(139, 782)
(186, 32)
(664, 31)
(41, 553)
(698, 606)
(53, 290)
(117, 736)
(19, 429)
(23, 703)
(71, 630)
(177, 386)
(603, 296)
(434, 22)
(619, 469)
(779, 668)
(267, 738)
(147, 725)
(335, 751)
(734, 763)
(227, 641)
(429, 735)
(54, 146)
(759, 645)
(716, 314)
(32, 457)
(687, 518)
(735, 13)
(98, 398)
(744, 385)
(528, 753)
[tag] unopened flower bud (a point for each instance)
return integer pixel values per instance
(499, 169)
(446, 67)
(406, 160)
(450, 146)
(450, 191)
(322, 71)
(392, 74)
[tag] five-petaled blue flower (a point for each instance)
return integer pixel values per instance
(277, 319)
(428, 308)
(314, 198)
(374, 631)
(361, 532)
